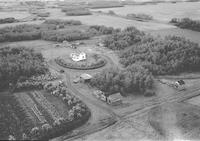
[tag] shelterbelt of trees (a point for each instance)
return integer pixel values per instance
(76, 11)
(169, 55)
(133, 79)
(19, 62)
(49, 30)
(186, 23)
(144, 56)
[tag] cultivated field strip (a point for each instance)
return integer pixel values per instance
(46, 105)
(31, 108)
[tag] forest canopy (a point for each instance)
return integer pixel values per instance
(19, 62)
(133, 79)
(170, 55)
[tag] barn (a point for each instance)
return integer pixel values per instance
(114, 99)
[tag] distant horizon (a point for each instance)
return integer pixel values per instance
(92, 0)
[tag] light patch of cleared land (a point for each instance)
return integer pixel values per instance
(118, 22)
(194, 100)
(111, 21)
(37, 45)
(131, 128)
(162, 11)
(14, 14)
(20, 23)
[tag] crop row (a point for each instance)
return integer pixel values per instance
(46, 105)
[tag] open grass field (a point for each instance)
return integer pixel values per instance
(118, 22)
(177, 120)
(160, 12)
(14, 14)
(37, 45)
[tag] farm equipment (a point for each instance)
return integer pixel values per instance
(179, 85)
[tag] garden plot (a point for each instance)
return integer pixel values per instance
(31, 108)
(42, 107)
(46, 105)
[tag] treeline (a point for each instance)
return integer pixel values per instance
(23, 32)
(19, 62)
(42, 31)
(62, 22)
(15, 123)
(134, 79)
(186, 23)
(123, 39)
(139, 16)
(170, 55)
(76, 11)
(144, 56)
(8, 20)
(68, 35)
(102, 30)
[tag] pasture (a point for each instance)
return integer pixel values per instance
(14, 14)
(159, 11)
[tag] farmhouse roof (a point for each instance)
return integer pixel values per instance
(86, 76)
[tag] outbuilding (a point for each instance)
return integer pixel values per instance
(85, 77)
(180, 84)
(114, 99)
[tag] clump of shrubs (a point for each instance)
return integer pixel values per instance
(62, 22)
(66, 35)
(84, 66)
(186, 23)
(102, 30)
(76, 11)
(8, 20)
(28, 85)
(139, 16)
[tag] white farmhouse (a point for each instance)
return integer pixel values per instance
(78, 57)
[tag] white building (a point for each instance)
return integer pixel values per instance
(78, 57)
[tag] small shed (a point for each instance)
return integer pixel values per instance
(76, 80)
(85, 77)
(114, 99)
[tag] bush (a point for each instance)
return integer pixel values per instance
(45, 14)
(123, 39)
(102, 30)
(76, 11)
(186, 23)
(8, 20)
